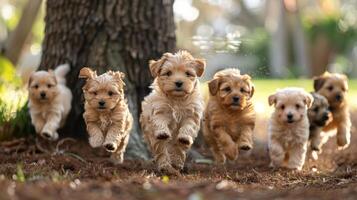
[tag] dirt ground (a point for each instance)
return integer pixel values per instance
(72, 170)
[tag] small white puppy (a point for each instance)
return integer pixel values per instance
(49, 101)
(289, 127)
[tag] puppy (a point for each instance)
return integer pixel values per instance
(229, 116)
(49, 101)
(319, 115)
(289, 127)
(107, 116)
(173, 110)
(334, 87)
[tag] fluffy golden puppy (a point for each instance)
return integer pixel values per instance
(319, 115)
(289, 127)
(229, 117)
(107, 115)
(334, 87)
(173, 110)
(49, 101)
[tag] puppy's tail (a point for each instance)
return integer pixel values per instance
(60, 73)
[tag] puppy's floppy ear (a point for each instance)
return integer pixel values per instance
(319, 82)
(87, 73)
(252, 90)
(155, 65)
(213, 86)
(309, 99)
(199, 65)
(248, 79)
(272, 99)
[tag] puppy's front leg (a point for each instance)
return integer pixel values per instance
(344, 134)
(160, 123)
(53, 121)
(95, 134)
(116, 131)
(316, 139)
(276, 153)
(245, 141)
(38, 122)
(297, 156)
(224, 140)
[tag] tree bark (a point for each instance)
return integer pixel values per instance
(108, 35)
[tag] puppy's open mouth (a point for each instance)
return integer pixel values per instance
(101, 107)
(290, 121)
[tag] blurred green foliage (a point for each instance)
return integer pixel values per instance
(338, 31)
(14, 117)
(257, 43)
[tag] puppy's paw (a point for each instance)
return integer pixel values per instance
(110, 146)
(49, 136)
(342, 141)
(185, 140)
(96, 141)
(162, 135)
(231, 152)
(245, 146)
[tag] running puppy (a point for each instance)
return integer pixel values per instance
(49, 101)
(229, 116)
(334, 88)
(107, 116)
(173, 110)
(319, 115)
(289, 127)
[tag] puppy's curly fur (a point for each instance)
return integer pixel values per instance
(319, 115)
(229, 116)
(49, 101)
(107, 116)
(289, 127)
(334, 87)
(172, 112)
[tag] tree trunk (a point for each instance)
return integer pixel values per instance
(108, 35)
(276, 22)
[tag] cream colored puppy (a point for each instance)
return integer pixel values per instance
(49, 101)
(107, 115)
(172, 112)
(289, 127)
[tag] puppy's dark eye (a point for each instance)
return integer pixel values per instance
(110, 93)
(36, 86)
(169, 73)
(330, 88)
(49, 85)
(227, 89)
(316, 109)
(282, 107)
(95, 93)
(242, 90)
(297, 106)
(188, 74)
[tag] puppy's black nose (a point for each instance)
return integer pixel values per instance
(325, 116)
(101, 103)
(235, 99)
(290, 116)
(178, 84)
(43, 94)
(338, 97)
